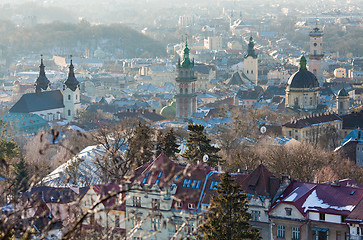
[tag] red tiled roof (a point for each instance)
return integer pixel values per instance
(333, 198)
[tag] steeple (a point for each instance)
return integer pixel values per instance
(251, 49)
(302, 63)
(186, 63)
(71, 82)
(42, 81)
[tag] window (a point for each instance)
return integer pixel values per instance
(247, 71)
(136, 201)
(189, 182)
(213, 185)
(280, 231)
(295, 233)
(194, 184)
(191, 205)
(288, 211)
(137, 238)
(144, 181)
(198, 184)
(69, 97)
(155, 224)
(155, 203)
(69, 112)
(157, 181)
(290, 134)
(159, 175)
(179, 204)
(347, 236)
(251, 71)
(76, 97)
(339, 235)
(255, 215)
(321, 216)
(136, 221)
(117, 221)
(92, 219)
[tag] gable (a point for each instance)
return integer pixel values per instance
(280, 211)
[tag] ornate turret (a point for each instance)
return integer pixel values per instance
(186, 98)
(71, 82)
(342, 102)
(42, 81)
(251, 49)
(186, 63)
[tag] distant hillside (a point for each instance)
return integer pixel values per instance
(64, 38)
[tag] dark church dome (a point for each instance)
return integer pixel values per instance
(303, 78)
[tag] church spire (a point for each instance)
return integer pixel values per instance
(71, 82)
(42, 81)
(186, 63)
(251, 49)
(303, 63)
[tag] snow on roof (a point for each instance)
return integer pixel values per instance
(87, 169)
(313, 202)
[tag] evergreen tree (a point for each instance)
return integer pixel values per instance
(227, 218)
(199, 145)
(167, 143)
(21, 176)
(141, 144)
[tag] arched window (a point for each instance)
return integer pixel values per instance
(247, 71)
(69, 96)
(69, 112)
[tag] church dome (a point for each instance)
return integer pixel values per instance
(303, 78)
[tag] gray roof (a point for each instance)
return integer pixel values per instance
(33, 102)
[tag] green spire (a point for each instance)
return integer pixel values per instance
(303, 63)
(251, 49)
(186, 63)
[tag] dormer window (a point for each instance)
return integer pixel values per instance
(191, 205)
(288, 211)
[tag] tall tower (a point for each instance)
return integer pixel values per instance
(186, 98)
(71, 95)
(250, 65)
(342, 102)
(316, 52)
(42, 81)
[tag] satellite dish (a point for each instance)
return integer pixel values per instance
(205, 158)
(263, 129)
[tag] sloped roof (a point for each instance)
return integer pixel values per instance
(238, 78)
(33, 102)
(312, 120)
(333, 198)
(353, 120)
(357, 213)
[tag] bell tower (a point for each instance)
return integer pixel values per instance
(250, 65)
(186, 98)
(316, 52)
(71, 95)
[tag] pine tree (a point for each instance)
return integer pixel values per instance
(21, 176)
(167, 143)
(199, 145)
(141, 144)
(227, 218)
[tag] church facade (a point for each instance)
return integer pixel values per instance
(51, 104)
